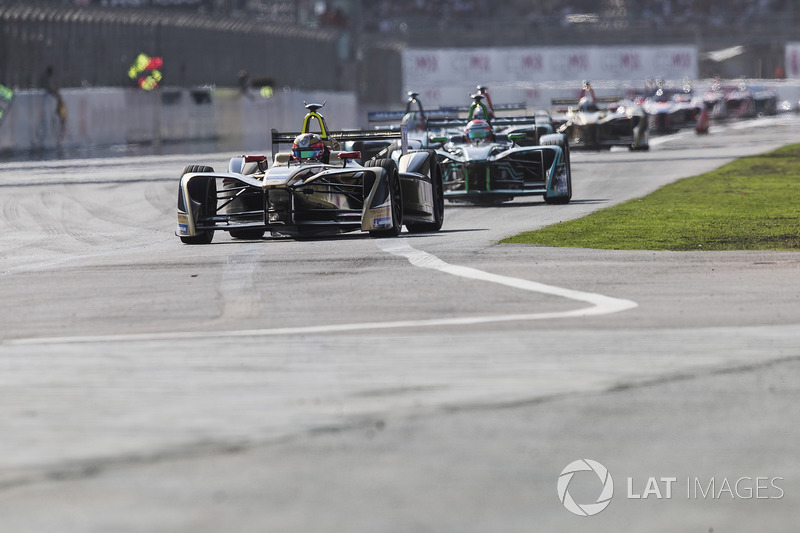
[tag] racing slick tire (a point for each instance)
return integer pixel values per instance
(203, 191)
(396, 192)
(438, 201)
(560, 140)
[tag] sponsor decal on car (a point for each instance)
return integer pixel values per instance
(380, 217)
(183, 224)
(561, 180)
(382, 222)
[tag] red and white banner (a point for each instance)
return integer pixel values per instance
(427, 69)
(793, 60)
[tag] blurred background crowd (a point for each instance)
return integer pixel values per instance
(391, 15)
(356, 42)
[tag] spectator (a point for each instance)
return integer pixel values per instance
(52, 108)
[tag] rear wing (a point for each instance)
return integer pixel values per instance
(563, 103)
(397, 116)
(437, 114)
(450, 123)
(279, 138)
(500, 107)
(385, 116)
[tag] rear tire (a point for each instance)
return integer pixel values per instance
(396, 193)
(203, 191)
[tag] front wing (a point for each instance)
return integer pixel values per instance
(329, 202)
(532, 172)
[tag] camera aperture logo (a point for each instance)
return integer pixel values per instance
(585, 509)
(660, 488)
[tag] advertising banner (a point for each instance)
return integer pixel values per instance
(427, 70)
(792, 60)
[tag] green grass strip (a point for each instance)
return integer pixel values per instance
(750, 204)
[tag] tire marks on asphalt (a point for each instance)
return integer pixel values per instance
(240, 300)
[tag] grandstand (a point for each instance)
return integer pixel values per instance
(208, 42)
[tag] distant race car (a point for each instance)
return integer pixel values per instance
(487, 161)
(619, 122)
(669, 110)
(314, 189)
(730, 101)
(415, 120)
(740, 102)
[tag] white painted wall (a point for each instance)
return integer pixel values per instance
(108, 117)
(111, 116)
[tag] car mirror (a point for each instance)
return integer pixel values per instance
(346, 156)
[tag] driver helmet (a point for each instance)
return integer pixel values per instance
(308, 147)
(478, 130)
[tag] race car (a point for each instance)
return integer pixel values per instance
(730, 101)
(314, 189)
(669, 110)
(415, 119)
(484, 166)
(618, 123)
(740, 102)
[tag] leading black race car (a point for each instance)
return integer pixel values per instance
(298, 196)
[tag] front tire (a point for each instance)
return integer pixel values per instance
(438, 202)
(204, 192)
(396, 193)
(560, 140)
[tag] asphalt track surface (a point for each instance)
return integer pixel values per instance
(436, 382)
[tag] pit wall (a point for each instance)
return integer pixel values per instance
(110, 116)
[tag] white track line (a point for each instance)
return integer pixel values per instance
(600, 305)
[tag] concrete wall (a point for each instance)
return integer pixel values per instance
(98, 118)
(108, 117)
